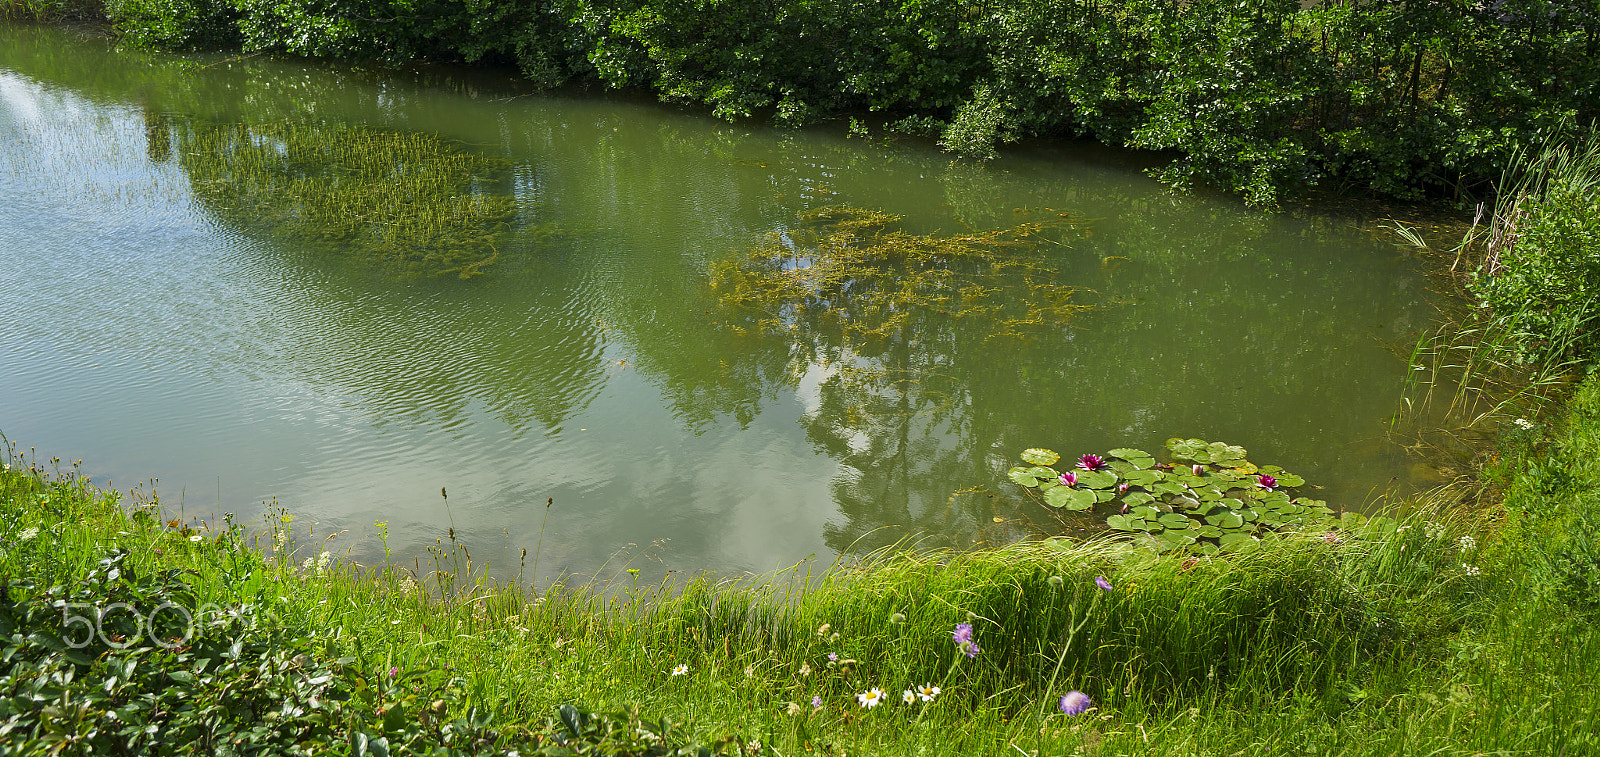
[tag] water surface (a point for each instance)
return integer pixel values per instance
(167, 315)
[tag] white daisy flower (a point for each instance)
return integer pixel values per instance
(680, 670)
(927, 692)
(871, 698)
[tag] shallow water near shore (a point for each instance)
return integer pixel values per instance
(176, 310)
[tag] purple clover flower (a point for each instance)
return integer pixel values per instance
(833, 657)
(816, 703)
(972, 650)
(1101, 582)
(1069, 479)
(1075, 703)
(1091, 462)
(1267, 482)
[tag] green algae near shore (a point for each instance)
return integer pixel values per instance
(410, 201)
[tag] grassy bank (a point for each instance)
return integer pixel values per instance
(1452, 630)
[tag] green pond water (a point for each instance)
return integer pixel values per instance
(346, 288)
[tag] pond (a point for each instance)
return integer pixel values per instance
(348, 289)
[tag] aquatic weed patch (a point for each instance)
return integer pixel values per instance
(853, 272)
(412, 202)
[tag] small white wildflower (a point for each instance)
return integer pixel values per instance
(1466, 543)
(1471, 570)
(27, 533)
(409, 585)
(908, 697)
(680, 670)
(1523, 423)
(927, 692)
(793, 709)
(307, 564)
(280, 541)
(871, 698)
(1434, 530)
(323, 560)
(195, 537)
(754, 747)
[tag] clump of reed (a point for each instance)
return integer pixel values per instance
(1531, 273)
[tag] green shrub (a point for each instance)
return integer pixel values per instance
(1540, 277)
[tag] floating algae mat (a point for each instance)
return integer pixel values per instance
(409, 201)
(852, 271)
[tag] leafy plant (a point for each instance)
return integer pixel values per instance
(1212, 500)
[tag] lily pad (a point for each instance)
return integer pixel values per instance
(1145, 511)
(1069, 498)
(1039, 456)
(1120, 523)
(1209, 531)
(1097, 479)
(1137, 498)
(1022, 477)
(1236, 542)
(1203, 548)
(1142, 477)
(1138, 457)
(1189, 449)
(1226, 519)
(1291, 480)
(1174, 520)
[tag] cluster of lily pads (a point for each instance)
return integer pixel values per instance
(1209, 499)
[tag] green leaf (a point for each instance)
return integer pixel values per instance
(1290, 479)
(1097, 479)
(1236, 542)
(1137, 498)
(1137, 457)
(1142, 477)
(1120, 523)
(1022, 476)
(1174, 520)
(1226, 519)
(1039, 456)
(1069, 498)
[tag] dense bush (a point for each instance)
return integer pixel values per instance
(1397, 97)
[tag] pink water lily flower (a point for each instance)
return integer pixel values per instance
(1068, 479)
(1091, 462)
(1267, 482)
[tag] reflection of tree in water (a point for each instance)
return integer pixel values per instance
(409, 204)
(915, 333)
(406, 200)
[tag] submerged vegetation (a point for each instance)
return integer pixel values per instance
(408, 201)
(851, 272)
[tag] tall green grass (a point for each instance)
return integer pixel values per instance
(1532, 275)
(1177, 655)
